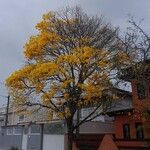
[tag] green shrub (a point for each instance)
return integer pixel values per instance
(14, 148)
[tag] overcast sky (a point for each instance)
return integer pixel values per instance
(18, 18)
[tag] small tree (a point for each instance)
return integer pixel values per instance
(69, 67)
(136, 45)
(13, 148)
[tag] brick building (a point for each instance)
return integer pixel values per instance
(131, 124)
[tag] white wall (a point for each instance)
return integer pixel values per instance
(53, 142)
(24, 142)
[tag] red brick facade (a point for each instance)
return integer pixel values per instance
(132, 119)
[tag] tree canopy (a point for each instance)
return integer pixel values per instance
(70, 64)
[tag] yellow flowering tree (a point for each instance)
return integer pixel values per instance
(70, 65)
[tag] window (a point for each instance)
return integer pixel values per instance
(35, 129)
(9, 130)
(1, 119)
(17, 130)
(54, 128)
(139, 131)
(21, 117)
(126, 131)
(141, 91)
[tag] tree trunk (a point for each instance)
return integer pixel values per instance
(70, 141)
(70, 133)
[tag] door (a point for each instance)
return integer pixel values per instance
(34, 138)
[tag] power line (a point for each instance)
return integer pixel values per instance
(4, 96)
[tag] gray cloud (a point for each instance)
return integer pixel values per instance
(18, 18)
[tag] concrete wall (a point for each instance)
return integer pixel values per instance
(9, 140)
(53, 142)
(53, 138)
(29, 137)
(6, 142)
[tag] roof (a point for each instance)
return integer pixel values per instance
(124, 103)
(121, 105)
(108, 143)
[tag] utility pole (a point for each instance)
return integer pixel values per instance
(7, 110)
